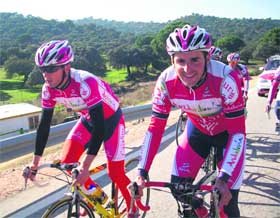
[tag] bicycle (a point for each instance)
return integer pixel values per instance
(190, 197)
(76, 203)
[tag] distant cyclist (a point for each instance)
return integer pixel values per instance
(210, 94)
(233, 61)
(272, 95)
(216, 53)
(101, 120)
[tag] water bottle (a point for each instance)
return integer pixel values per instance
(94, 191)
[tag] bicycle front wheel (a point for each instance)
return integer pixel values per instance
(131, 172)
(65, 207)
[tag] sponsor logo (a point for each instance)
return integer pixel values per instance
(237, 145)
(229, 90)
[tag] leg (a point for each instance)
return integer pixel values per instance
(117, 175)
(74, 146)
(115, 152)
(191, 153)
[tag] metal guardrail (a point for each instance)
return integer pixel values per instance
(60, 131)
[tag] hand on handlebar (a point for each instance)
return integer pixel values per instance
(136, 187)
(224, 192)
(136, 191)
(28, 173)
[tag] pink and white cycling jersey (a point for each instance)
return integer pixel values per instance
(84, 91)
(274, 87)
(215, 106)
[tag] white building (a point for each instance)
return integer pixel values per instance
(17, 119)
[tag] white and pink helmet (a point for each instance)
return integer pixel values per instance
(215, 53)
(233, 57)
(54, 53)
(188, 38)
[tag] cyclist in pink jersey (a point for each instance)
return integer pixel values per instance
(216, 53)
(101, 119)
(272, 94)
(233, 59)
(210, 94)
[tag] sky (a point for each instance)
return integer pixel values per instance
(142, 10)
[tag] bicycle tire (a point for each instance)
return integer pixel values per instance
(130, 168)
(66, 208)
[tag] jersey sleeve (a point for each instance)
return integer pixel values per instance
(233, 105)
(161, 107)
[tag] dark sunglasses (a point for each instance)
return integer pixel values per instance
(49, 69)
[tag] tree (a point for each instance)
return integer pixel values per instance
(20, 66)
(268, 45)
(34, 78)
(88, 58)
(230, 44)
(158, 44)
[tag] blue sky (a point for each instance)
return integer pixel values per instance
(142, 10)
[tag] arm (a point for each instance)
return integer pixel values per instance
(151, 142)
(246, 80)
(42, 136)
(235, 124)
(97, 137)
(272, 91)
(160, 112)
(98, 130)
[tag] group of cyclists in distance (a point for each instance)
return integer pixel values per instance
(211, 93)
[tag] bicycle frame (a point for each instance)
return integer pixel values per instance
(109, 210)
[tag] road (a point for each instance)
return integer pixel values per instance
(259, 195)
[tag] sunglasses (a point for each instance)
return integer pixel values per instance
(49, 69)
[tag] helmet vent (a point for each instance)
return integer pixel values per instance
(179, 41)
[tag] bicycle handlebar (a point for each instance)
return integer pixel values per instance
(56, 165)
(172, 186)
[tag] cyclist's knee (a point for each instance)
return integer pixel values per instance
(232, 209)
(71, 151)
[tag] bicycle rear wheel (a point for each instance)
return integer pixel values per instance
(131, 172)
(65, 207)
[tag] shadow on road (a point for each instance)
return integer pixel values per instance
(261, 182)
(266, 146)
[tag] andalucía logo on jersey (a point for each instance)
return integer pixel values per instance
(229, 90)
